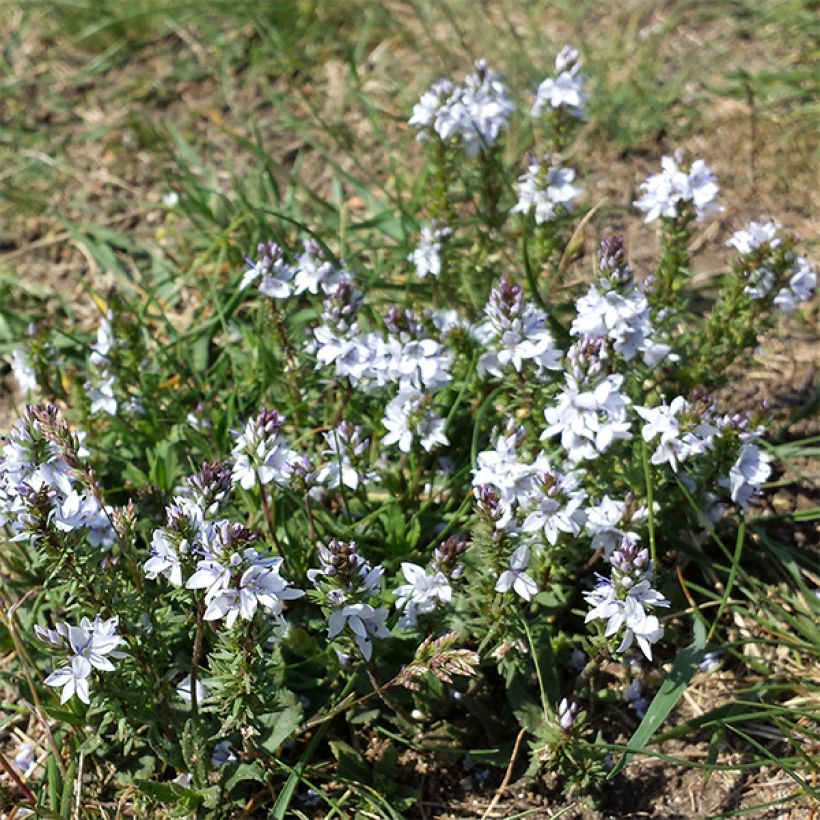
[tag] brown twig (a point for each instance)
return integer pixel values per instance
(10, 771)
(507, 775)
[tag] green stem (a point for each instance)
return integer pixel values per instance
(647, 474)
(542, 691)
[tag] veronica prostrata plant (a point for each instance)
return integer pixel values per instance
(365, 512)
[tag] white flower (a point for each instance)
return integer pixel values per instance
(751, 470)
(184, 690)
(92, 643)
(337, 468)
(445, 321)
(422, 593)
(514, 332)
(273, 271)
(261, 453)
(484, 109)
(24, 759)
(101, 393)
(364, 621)
(543, 189)
(515, 577)
(703, 188)
(564, 90)
(566, 714)
(503, 469)
(801, 286)
(568, 59)
(664, 191)
(184, 533)
(409, 416)
(314, 271)
(76, 512)
(237, 584)
(590, 420)
(674, 446)
(426, 256)
(628, 614)
(623, 316)
(429, 107)
(23, 371)
(557, 510)
(223, 753)
(476, 113)
(424, 363)
(105, 343)
(605, 521)
(73, 678)
(755, 236)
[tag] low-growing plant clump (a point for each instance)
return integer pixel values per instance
(411, 496)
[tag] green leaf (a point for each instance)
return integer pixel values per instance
(351, 766)
(195, 751)
(169, 792)
(281, 726)
(671, 691)
(54, 783)
(237, 772)
(68, 790)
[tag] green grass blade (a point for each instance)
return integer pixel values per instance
(671, 691)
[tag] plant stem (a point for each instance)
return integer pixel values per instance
(647, 474)
(195, 658)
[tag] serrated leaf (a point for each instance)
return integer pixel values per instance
(195, 750)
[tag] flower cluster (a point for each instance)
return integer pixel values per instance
(23, 370)
(407, 358)
(43, 483)
(347, 583)
(261, 453)
(409, 417)
(665, 194)
(617, 312)
(565, 90)
(546, 190)
(426, 590)
(181, 539)
(680, 434)
(91, 646)
(589, 414)
(278, 278)
(344, 459)
(625, 599)
(514, 332)
(474, 114)
(100, 387)
(426, 256)
(487, 437)
(749, 472)
(236, 577)
(272, 270)
(795, 281)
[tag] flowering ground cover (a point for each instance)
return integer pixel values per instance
(382, 445)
